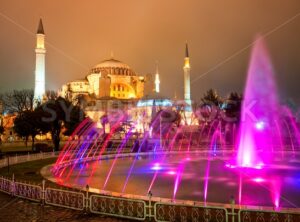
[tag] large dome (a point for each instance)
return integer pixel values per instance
(113, 67)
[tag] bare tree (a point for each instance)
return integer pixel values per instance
(51, 95)
(18, 100)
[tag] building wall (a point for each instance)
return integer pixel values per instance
(104, 86)
(121, 87)
(109, 78)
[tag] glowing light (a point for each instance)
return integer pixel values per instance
(260, 125)
(258, 167)
(156, 167)
(158, 102)
(171, 172)
(99, 125)
(259, 180)
(230, 166)
(131, 95)
(276, 203)
(157, 82)
(276, 191)
(151, 132)
(187, 63)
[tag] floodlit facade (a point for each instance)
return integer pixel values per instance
(110, 78)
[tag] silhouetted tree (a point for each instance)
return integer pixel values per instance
(232, 106)
(29, 124)
(18, 100)
(1, 130)
(61, 114)
(211, 97)
(51, 95)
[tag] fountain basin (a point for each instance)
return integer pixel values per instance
(186, 176)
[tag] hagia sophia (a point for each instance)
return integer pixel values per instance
(111, 84)
(109, 78)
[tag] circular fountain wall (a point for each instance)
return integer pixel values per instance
(196, 176)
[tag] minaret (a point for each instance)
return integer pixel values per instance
(187, 79)
(40, 51)
(157, 81)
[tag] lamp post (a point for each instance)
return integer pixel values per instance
(232, 203)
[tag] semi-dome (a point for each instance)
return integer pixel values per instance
(113, 67)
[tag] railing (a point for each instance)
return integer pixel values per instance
(76, 200)
(5, 185)
(273, 216)
(11, 160)
(63, 198)
(27, 191)
(135, 207)
(181, 212)
(121, 207)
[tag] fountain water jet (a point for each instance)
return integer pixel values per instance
(259, 110)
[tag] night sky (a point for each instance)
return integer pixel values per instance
(80, 34)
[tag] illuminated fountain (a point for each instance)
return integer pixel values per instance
(259, 111)
(172, 162)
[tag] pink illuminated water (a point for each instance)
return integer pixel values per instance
(259, 110)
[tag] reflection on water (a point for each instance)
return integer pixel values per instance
(274, 185)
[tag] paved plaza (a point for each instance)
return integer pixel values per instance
(13, 209)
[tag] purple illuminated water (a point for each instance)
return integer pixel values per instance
(259, 111)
